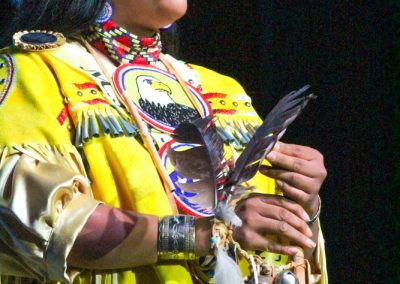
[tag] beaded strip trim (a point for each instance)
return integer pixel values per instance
(7, 76)
(123, 46)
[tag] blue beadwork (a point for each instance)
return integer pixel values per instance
(7, 83)
(167, 27)
(105, 14)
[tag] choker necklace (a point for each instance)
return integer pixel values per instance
(123, 46)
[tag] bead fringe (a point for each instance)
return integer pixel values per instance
(236, 132)
(91, 123)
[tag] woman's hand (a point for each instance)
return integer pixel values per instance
(276, 223)
(299, 172)
(264, 216)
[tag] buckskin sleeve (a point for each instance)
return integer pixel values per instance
(43, 207)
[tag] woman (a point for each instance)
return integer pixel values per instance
(80, 196)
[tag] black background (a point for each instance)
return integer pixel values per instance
(346, 51)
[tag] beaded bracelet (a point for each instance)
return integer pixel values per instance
(176, 237)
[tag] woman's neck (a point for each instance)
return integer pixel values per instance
(139, 31)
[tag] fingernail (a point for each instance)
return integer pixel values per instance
(306, 217)
(309, 232)
(277, 146)
(310, 243)
(271, 157)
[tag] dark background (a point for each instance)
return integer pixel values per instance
(346, 51)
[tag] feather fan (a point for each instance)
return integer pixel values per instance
(206, 163)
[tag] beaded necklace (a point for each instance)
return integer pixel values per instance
(123, 46)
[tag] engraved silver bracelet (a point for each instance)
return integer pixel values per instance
(176, 237)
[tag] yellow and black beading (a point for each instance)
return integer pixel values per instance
(123, 46)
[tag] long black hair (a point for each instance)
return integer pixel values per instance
(65, 16)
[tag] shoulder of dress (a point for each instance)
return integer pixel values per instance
(33, 63)
(17, 65)
(217, 86)
(20, 69)
(212, 75)
(236, 120)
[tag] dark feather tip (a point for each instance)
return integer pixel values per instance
(270, 131)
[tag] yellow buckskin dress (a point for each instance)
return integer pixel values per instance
(67, 144)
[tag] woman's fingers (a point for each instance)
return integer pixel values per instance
(310, 168)
(299, 172)
(284, 229)
(274, 215)
(299, 151)
(292, 192)
(284, 203)
(260, 202)
(257, 242)
(288, 180)
(283, 216)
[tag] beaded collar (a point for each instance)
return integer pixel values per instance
(123, 46)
